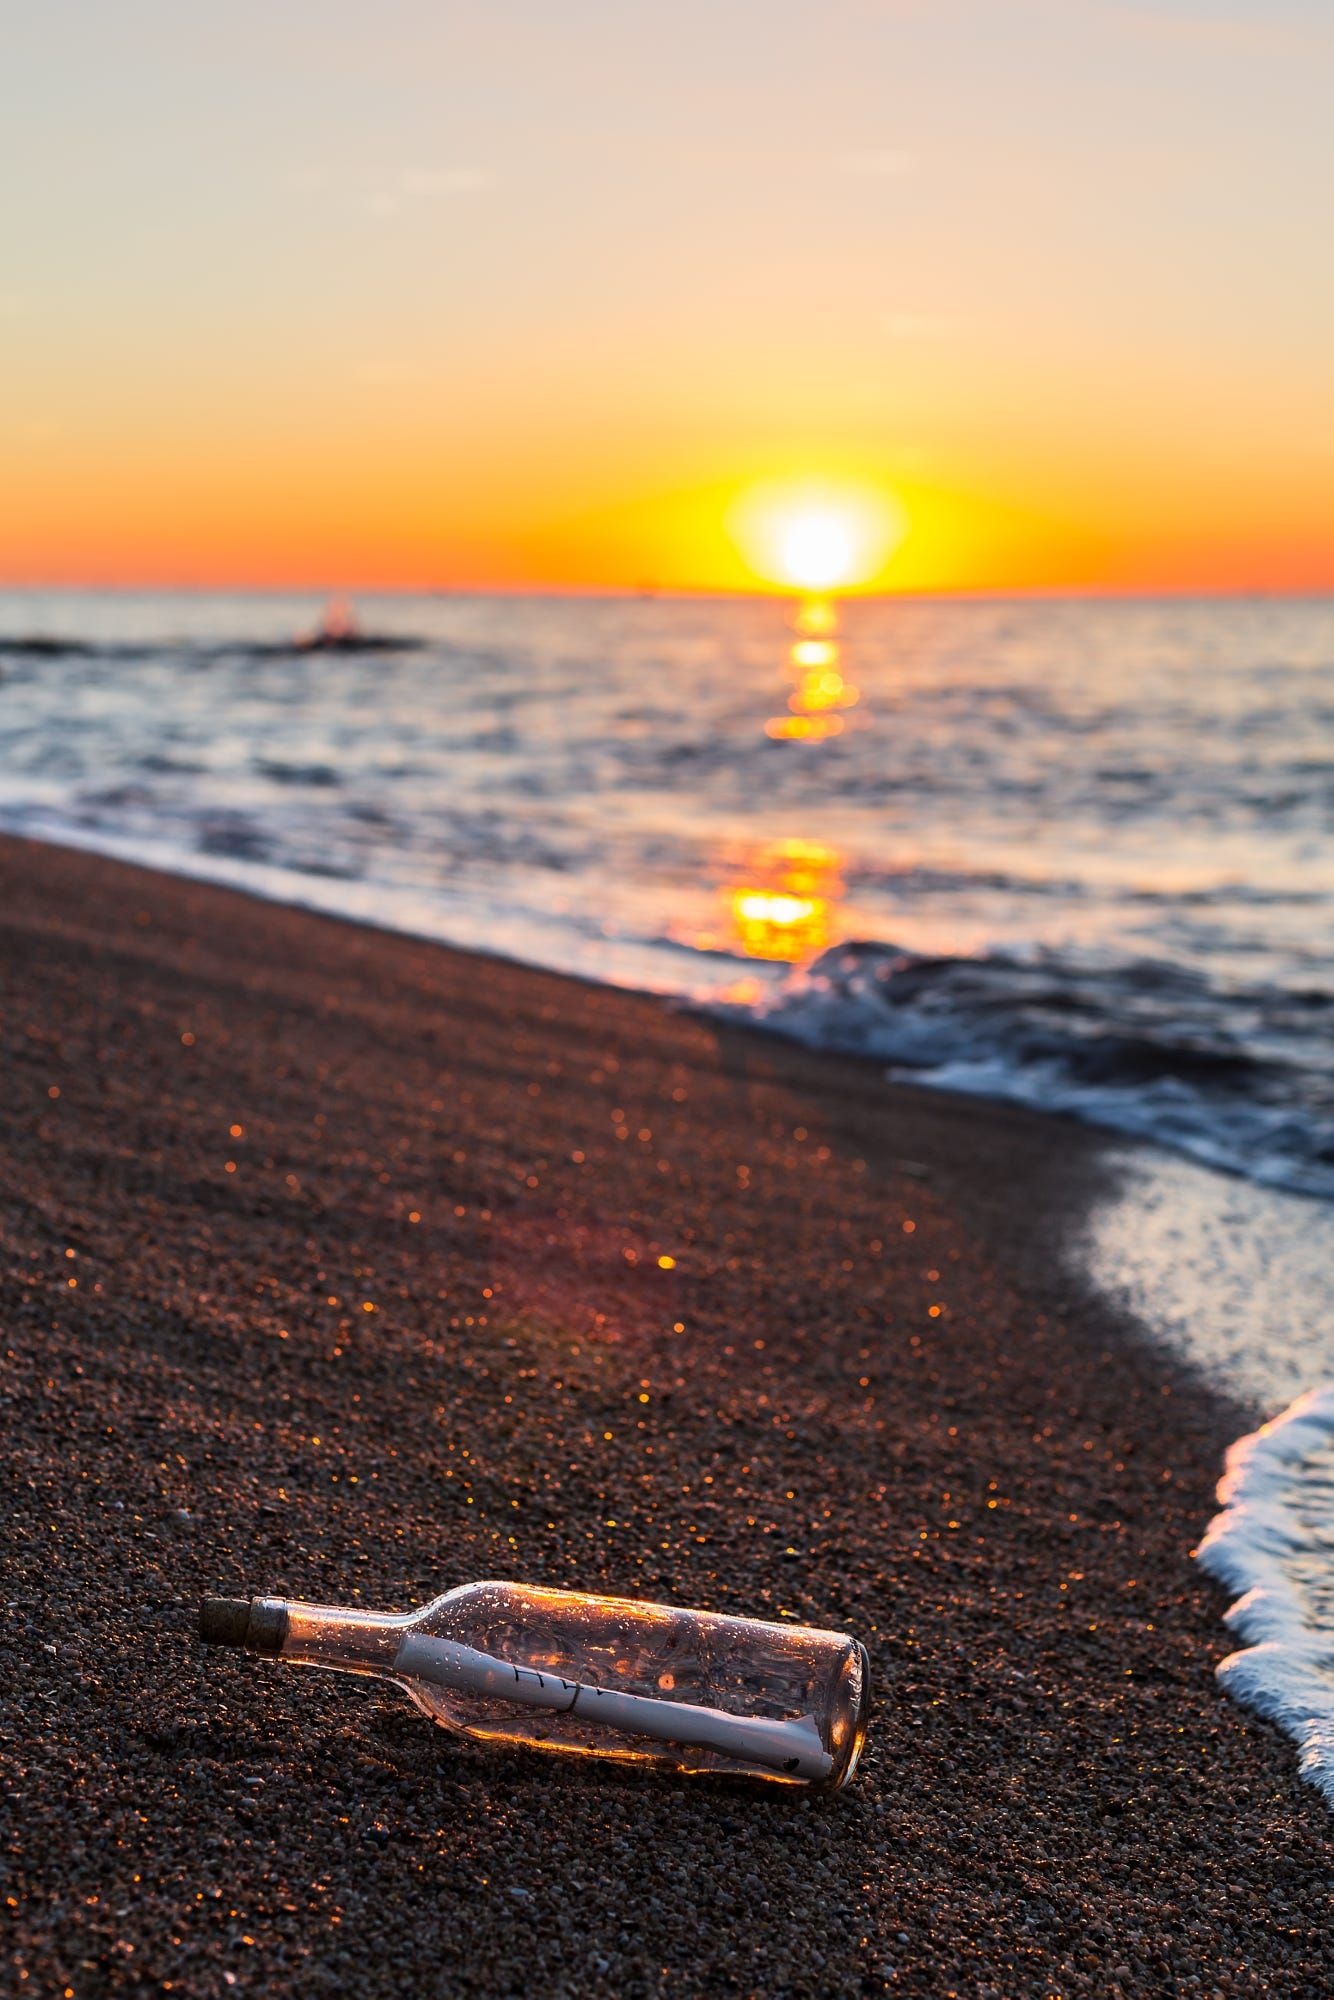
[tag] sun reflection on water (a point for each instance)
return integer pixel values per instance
(816, 616)
(803, 728)
(786, 911)
(814, 653)
(819, 691)
(781, 901)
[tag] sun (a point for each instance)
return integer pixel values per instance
(818, 550)
(816, 536)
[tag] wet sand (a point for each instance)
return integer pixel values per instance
(407, 1326)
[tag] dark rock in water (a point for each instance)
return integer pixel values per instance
(339, 632)
(354, 642)
(38, 646)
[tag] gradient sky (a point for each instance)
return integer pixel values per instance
(524, 294)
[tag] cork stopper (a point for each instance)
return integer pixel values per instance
(257, 1623)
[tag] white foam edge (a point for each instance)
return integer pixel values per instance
(1285, 1671)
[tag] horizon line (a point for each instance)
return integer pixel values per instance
(635, 593)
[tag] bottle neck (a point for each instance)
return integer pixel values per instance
(349, 1642)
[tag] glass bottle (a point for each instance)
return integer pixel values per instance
(599, 1676)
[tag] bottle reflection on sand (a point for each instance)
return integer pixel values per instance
(819, 690)
(786, 909)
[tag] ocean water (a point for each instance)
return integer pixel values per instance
(1072, 853)
(1075, 854)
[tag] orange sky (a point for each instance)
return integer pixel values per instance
(528, 297)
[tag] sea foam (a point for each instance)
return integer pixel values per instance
(1273, 1544)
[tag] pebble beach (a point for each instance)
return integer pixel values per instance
(349, 1267)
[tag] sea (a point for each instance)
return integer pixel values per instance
(1071, 853)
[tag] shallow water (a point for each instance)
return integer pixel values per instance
(1239, 1279)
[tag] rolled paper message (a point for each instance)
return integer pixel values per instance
(790, 1746)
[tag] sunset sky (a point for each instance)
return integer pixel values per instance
(533, 295)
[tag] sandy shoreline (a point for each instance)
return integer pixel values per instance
(999, 1496)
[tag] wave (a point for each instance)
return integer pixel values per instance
(1271, 1546)
(1239, 1079)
